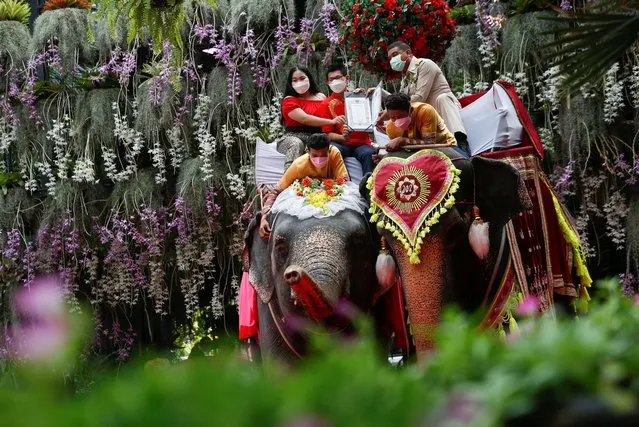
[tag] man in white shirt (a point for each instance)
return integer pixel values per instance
(424, 81)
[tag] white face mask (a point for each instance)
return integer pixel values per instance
(397, 64)
(338, 86)
(301, 86)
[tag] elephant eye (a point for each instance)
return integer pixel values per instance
(281, 248)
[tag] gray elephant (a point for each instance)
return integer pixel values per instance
(449, 270)
(303, 271)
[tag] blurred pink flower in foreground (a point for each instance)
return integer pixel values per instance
(42, 300)
(637, 299)
(528, 307)
(308, 421)
(41, 331)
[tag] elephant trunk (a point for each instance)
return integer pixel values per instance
(423, 284)
(308, 293)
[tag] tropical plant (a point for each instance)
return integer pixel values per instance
(65, 4)
(162, 19)
(463, 15)
(15, 10)
(594, 40)
(370, 26)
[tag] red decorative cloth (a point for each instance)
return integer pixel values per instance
(394, 320)
(542, 257)
(411, 194)
(248, 309)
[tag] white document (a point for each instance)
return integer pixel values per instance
(362, 111)
(358, 112)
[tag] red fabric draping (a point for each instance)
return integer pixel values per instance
(543, 258)
(248, 309)
(394, 321)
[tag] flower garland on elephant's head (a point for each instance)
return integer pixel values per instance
(319, 192)
(319, 198)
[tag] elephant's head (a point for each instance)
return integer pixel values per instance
(449, 271)
(308, 265)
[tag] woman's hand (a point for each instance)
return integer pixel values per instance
(265, 228)
(346, 132)
(339, 120)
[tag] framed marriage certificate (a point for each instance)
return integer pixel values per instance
(361, 111)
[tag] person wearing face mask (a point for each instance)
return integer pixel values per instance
(350, 144)
(301, 113)
(320, 161)
(415, 123)
(424, 81)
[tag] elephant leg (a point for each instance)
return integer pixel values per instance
(423, 284)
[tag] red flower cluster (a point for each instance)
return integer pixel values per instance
(371, 25)
(65, 4)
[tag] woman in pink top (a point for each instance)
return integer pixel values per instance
(302, 113)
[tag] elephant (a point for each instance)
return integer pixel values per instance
(303, 271)
(449, 271)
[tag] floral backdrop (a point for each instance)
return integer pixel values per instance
(126, 158)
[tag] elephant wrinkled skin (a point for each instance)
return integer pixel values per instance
(303, 271)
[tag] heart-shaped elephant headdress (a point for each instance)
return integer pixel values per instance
(409, 195)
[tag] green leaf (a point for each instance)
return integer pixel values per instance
(590, 44)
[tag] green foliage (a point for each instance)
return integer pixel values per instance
(632, 234)
(151, 119)
(15, 44)
(474, 378)
(260, 12)
(462, 55)
(69, 28)
(523, 38)
(132, 195)
(192, 187)
(463, 15)
(591, 42)
(15, 204)
(104, 39)
(94, 116)
(15, 10)
(161, 20)
(203, 12)
(525, 6)
(71, 82)
(580, 124)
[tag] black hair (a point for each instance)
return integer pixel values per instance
(336, 67)
(317, 141)
(398, 101)
(400, 44)
(289, 91)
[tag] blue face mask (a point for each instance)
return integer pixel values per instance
(397, 64)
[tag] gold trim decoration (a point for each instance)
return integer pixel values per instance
(408, 190)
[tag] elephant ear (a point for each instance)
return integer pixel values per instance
(259, 265)
(500, 193)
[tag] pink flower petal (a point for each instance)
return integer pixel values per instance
(39, 342)
(528, 307)
(42, 300)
